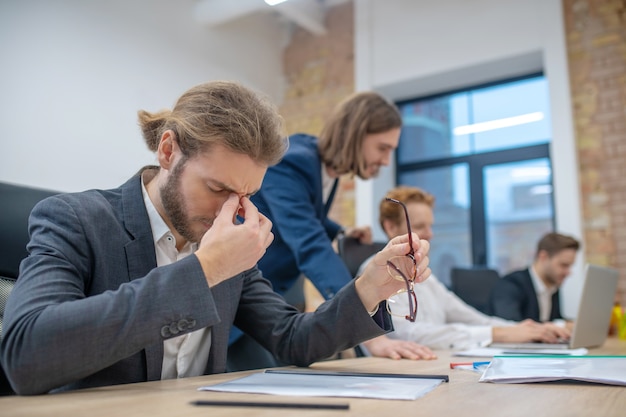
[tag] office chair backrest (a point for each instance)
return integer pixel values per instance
(354, 253)
(6, 285)
(17, 203)
(473, 285)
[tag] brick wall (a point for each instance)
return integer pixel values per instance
(596, 45)
(320, 73)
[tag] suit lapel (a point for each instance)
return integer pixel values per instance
(140, 253)
(555, 312)
(140, 256)
(331, 196)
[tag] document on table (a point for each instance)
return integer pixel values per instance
(332, 384)
(487, 352)
(519, 369)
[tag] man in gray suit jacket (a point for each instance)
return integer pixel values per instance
(144, 282)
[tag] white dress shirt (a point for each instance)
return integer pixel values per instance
(443, 320)
(544, 295)
(327, 184)
(186, 355)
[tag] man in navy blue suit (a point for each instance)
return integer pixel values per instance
(533, 293)
(296, 196)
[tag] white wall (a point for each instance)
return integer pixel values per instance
(75, 72)
(413, 48)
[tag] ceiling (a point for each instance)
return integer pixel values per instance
(309, 14)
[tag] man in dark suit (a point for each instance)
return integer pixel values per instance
(143, 282)
(533, 293)
(358, 139)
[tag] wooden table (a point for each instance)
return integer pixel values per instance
(463, 396)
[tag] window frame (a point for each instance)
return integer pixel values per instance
(476, 162)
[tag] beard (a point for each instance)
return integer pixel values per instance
(174, 204)
(553, 278)
(372, 170)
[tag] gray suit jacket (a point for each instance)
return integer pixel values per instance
(91, 308)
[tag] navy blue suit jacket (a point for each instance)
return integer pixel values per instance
(291, 197)
(514, 298)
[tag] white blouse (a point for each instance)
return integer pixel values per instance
(443, 320)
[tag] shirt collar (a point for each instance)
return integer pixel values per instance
(540, 286)
(159, 227)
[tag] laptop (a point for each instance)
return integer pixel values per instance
(591, 327)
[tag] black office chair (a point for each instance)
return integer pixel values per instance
(6, 285)
(473, 285)
(17, 203)
(354, 253)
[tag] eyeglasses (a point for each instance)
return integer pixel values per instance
(403, 268)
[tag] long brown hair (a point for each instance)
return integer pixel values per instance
(220, 112)
(341, 139)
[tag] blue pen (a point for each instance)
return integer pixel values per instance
(475, 365)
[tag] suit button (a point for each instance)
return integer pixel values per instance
(165, 331)
(182, 325)
(174, 328)
(185, 324)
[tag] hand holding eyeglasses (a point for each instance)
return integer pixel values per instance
(393, 272)
(409, 267)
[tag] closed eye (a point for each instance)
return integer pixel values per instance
(217, 190)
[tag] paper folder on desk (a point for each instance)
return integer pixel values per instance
(487, 352)
(520, 369)
(333, 384)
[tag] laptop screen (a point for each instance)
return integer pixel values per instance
(594, 311)
(591, 327)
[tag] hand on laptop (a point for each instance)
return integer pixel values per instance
(561, 333)
(530, 331)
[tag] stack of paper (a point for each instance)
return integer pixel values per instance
(519, 369)
(487, 352)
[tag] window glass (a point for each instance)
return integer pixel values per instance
(484, 154)
(518, 210)
(451, 230)
(486, 119)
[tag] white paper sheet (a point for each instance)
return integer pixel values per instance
(327, 385)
